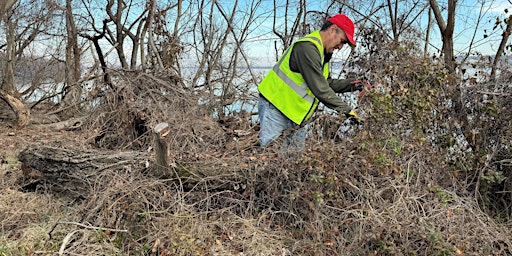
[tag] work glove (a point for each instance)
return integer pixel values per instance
(358, 84)
(361, 85)
(353, 117)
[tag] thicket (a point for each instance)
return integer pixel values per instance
(427, 173)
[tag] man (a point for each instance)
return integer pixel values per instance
(291, 91)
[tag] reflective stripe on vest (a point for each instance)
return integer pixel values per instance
(287, 90)
(299, 89)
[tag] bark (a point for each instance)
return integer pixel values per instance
(70, 124)
(392, 16)
(501, 48)
(8, 92)
(5, 6)
(427, 35)
(101, 57)
(73, 91)
(446, 29)
(116, 17)
(152, 49)
(160, 132)
(118, 14)
(8, 75)
(77, 173)
(74, 172)
(22, 113)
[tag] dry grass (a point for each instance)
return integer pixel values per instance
(370, 194)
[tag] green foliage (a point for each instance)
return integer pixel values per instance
(466, 120)
(146, 248)
(4, 250)
(442, 196)
(409, 174)
(493, 178)
(438, 246)
(410, 101)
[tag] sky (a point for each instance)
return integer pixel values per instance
(467, 22)
(260, 43)
(263, 53)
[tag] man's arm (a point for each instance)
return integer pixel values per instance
(306, 59)
(342, 85)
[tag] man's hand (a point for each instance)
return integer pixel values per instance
(353, 117)
(361, 85)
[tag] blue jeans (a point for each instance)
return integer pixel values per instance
(273, 123)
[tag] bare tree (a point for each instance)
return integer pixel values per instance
(152, 51)
(396, 19)
(10, 55)
(281, 27)
(119, 12)
(73, 90)
(5, 6)
(401, 18)
(95, 39)
(501, 48)
(24, 23)
(16, 42)
(427, 34)
(446, 29)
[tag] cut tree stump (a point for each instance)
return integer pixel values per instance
(161, 146)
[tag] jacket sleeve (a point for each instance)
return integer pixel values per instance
(305, 59)
(342, 85)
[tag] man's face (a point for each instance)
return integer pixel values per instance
(338, 39)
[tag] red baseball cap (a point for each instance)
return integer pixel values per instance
(344, 23)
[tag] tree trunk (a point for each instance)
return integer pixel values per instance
(22, 113)
(5, 6)
(73, 90)
(8, 91)
(427, 35)
(8, 75)
(446, 29)
(449, 57)
(392, 17)
(77, 173)
(74, 172)
(501, 49)
(161, 146)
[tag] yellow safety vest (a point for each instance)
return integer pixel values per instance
(287, 90)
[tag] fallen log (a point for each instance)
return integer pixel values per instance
(74, 172)
(68, 125)
(77, 172)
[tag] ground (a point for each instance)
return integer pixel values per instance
(24, 217)
(13, 140)
(336, 203)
